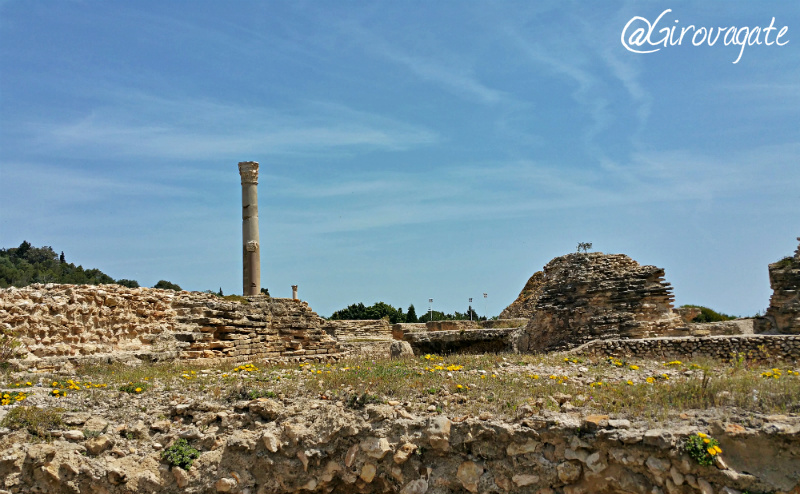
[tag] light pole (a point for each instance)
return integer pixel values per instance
(485, 310)
(430, 309)
(470, 308)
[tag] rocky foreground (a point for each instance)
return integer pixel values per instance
(111, 441)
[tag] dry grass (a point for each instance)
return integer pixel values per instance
(467, 384)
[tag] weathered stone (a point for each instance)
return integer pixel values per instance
(568, 471)
(270, 441)
(368, 472)
(660, 438)
(419, 486)
(74, 435)
(160, 426)
(594, 422)
(181, 476)
(521, 480)
(596, 462)
(705, 486)
(376, 447)
(400, 349)
(404, 452)
(581, 297)
(530, 446)
(97, 445)
(266, 408)
(783, 313)
(225, 484)
(439, 433)
(657, 465)
(156, 325)
(469, 473)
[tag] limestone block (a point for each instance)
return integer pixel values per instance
(376, 447)
(469, 473)
(439, 433)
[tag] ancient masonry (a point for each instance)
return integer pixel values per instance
(783, 314)
(752, 347)
(525, 304)
(585, 296)
(267, 446)
(73, 323)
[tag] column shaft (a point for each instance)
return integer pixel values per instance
(251, 251)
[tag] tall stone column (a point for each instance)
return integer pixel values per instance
(251, 251)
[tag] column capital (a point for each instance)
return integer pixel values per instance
(249, 172)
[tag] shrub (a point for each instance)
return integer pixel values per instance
(356, 401)
(134, 387)
(8, 346)
(708, 315)
(180, 454)
(702, 448)
(166, 285)
(38, 421)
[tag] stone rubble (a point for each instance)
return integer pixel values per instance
(586, 296)
(302, 445)
(783, 314)
(67, 324)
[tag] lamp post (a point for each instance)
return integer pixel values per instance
(485, 310)
(470, 308)
(430, 308)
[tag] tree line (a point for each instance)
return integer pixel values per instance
(380, 310)
(24, 265)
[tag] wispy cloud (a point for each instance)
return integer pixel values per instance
(138, 124)
(506, 190)
(438, 66)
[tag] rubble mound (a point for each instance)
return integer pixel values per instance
(525, 304)
(783, 314)
(586, 296)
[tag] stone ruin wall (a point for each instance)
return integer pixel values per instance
(62, 323)
(264, 447)
(783, 314)
(355, 330)
(752, 347)
(525, 304)
(366, 337)
(582, 297)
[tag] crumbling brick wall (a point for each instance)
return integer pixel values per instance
(72, 321)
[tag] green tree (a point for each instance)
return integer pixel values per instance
(166, 285)
(435, 316)
(26, 264)
(128, 283)
(378, 310)
(411, 314)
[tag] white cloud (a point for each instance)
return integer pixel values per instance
(142, 125)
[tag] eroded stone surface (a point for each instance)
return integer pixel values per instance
(783, 314)
(60, 325)
(549, 454)
(581, 297)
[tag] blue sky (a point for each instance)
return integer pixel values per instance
(408, 150)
